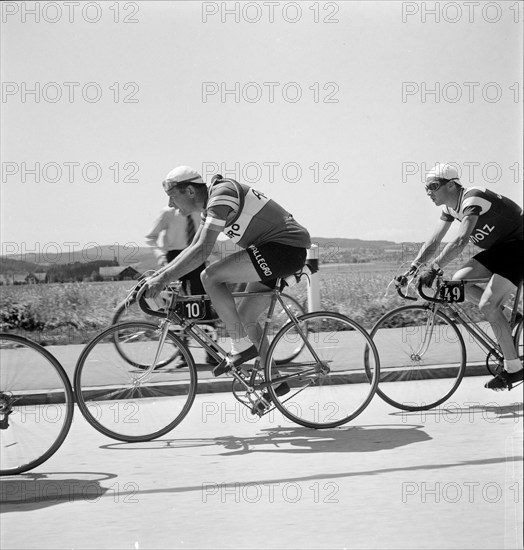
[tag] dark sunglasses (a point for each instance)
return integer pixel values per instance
(436, 184)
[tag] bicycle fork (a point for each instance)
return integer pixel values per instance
(417, 354)
(164, 329)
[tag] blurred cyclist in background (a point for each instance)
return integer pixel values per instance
(171, 233)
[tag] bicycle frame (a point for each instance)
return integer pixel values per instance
(191, 328)
(461, 317)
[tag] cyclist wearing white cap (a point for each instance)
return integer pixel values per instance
(274, 246)
(493, 223)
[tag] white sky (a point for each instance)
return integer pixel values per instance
(368, 136)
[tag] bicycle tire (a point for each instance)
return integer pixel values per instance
(518, 338)
(409, 379)
(36, 404)
(121, 400)
(129, 311)
(333, 392)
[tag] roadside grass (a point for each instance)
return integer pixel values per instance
(73, 313)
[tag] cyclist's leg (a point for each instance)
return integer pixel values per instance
(494, 296)
(263, 263)
(490, 301)
(237, 268)
(250, 309)
(473, 270)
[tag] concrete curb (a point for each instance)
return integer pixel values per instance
(221, 385)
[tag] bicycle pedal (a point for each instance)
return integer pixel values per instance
(260, 406)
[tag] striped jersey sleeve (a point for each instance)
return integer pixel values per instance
(475, 202)
(222, 201)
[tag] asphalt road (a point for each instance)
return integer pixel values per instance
(447, 478)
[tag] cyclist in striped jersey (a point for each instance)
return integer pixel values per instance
(274, 245)
(493, 223)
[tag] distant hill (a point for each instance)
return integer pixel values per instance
(129, 254)
(142, 258)
(9, 265)
(351, 243)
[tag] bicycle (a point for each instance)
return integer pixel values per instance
(422, 349)
(36, 404)
(324, 384)
(129, 310)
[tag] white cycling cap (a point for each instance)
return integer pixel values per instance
(442, 171)
(181, 174)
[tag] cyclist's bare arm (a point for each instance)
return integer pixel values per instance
(455, 247)
(188, 260)
(429, 248)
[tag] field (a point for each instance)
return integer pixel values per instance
(75, 312)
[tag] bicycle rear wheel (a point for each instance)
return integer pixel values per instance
(36, 404)
(122, 400)
(328, 384)
(423, 357)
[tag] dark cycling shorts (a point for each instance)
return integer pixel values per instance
(504, 259)
(273, 260)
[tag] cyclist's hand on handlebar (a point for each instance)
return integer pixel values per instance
(428, 275)
(402, 280)
(155, 285)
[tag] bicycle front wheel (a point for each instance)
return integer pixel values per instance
(423, 357)
(327, 382)
(36, 404)
(518, 338)
(122, 399)
(129, 310)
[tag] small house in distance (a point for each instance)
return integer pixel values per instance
(119, 273)
(22, 278)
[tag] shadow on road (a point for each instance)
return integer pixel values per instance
(453, 412)
(27, 492)
(355, 439)
(130, 492)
